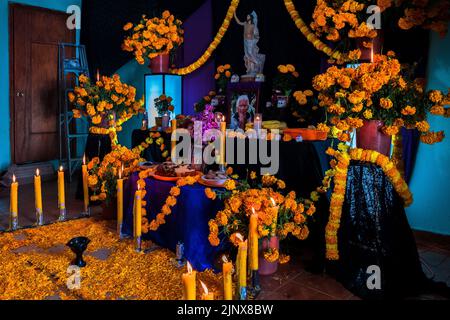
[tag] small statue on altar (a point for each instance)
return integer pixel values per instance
(254, 61)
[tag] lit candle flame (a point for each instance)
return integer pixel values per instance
(14, 178)
(98, 75)
(189, 268)
(205, 288)
(273, 202)
(253, 210)
(223, 118)
(84, 159)
(120, 173)
(37, 172)
(239, 236)
(371, 53)
(61, 168)
(225, 259)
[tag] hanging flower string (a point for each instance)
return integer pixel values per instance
(170, 202)
(154, 138)
(310, 36)
(217, 39)
(343, 157)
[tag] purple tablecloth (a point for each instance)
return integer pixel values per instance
(188, 222)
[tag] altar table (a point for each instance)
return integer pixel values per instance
(302, 167)
(188, 222)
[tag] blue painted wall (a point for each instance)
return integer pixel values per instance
(61, 5)
(132, 73)
(430, 182)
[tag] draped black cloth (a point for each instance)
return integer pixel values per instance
(375, 231)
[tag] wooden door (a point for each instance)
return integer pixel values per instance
(34, 37)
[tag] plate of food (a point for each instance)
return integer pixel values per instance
(215, 179)
(146, 165)
(169, 171)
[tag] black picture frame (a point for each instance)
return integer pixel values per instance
(254, 92)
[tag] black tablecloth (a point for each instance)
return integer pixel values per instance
(375, 231)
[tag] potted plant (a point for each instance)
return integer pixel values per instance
(204, 101)
(279, 216)
(378, 99)
(154, 38)
(107, 102)
(163, 105)
(346, 24)
(103, 176)
(223, 77)
(283, 83)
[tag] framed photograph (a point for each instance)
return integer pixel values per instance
(243, 103)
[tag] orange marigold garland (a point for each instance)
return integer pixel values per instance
(154, 138)
(343, 157)
(310, 36)
(170, 202)
(217, 39)
(277, 214)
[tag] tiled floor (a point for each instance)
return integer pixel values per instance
(291, 282)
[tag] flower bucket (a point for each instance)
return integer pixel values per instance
(370, 137)
(160, 64)
(267, 268)
(158, 121)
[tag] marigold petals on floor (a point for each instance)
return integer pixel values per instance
(34, 266)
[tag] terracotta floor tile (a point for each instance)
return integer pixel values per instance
(271, 295)
(284, 274)
(323, 283)
(294, 291)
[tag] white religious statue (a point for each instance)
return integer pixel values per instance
(254, 61)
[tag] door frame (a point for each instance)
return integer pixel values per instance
(11, 7)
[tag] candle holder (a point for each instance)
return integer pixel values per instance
(119, 230)
(139, 244)
(218, 117)
(62, 215)
(87, 213)
(222, 168)
(257, 124)
(14, 222)
(243, 293)
(179, 261)
(255, 288)
(39, 217)
(78, 246)
(165, 121)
